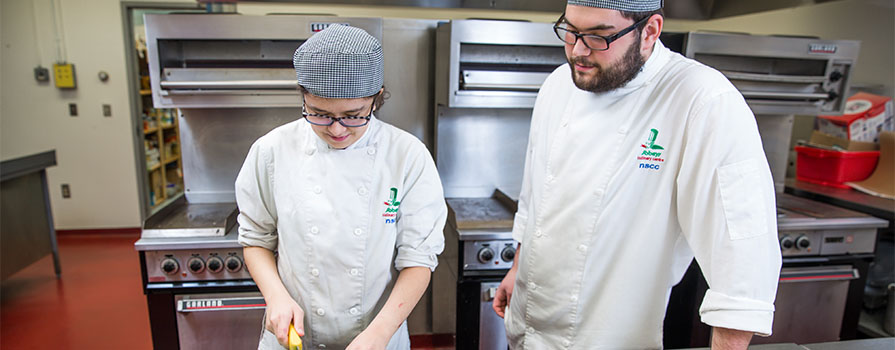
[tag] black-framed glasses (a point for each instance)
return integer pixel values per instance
(592, 41)
(351, 121)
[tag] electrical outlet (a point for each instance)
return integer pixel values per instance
(41, 74)
(66, 191)
(73, 109)
(107, 110)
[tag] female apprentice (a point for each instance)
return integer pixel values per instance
(332, 207)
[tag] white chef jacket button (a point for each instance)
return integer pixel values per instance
(371, 151)
(574, 298)
(598, 193)
(566, 342)
(315, 272)
(358, 232)
(320, 312)
(538, 233)
(532, 285)
(582, 248)
(530, 330)
(362, 191)
(622, 130)
(549, 178)
(309, 151)
(353, 311)
(318, 189)
(314, 230)
(353, 272)
(322, 346)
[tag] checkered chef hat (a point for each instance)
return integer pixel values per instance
(340, 62)
(621, 5)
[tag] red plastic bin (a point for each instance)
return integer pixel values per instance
(834, 168)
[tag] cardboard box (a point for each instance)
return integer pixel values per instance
(865, 116)
(837, 143)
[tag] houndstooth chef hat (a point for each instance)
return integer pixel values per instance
(340, 62)
(621, 5)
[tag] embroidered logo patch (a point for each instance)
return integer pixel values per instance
(391, 207)
(651, 157)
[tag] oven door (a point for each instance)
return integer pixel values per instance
(492, 330)
(219, 321)
(810, 304)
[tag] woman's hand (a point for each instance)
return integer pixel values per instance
(282, 311)
(371, 338)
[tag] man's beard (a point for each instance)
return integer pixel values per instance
(609, 78)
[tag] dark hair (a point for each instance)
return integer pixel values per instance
(637, 16)
(380, 97)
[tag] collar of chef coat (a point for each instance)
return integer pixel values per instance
(365, 140)
(648, 72)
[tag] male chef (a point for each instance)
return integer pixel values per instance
(638, 161)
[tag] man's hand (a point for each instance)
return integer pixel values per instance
(504, 293)
(280, 313)
(371, 338)
(730, 339)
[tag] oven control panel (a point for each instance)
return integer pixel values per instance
(195, 265)
(488, 255)
(827, 242)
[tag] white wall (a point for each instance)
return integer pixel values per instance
(96, 155)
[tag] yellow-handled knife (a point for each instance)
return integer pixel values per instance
(294, 339)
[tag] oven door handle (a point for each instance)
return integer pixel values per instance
(819, 275)
(221, 304)
(490, 294)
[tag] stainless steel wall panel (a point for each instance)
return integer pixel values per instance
(215, 143)
(480, 150)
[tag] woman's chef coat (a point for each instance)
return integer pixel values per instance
(621, 190)
(338, 220)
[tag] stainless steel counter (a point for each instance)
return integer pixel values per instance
(846, 198)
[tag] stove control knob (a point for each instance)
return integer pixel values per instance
(215, 264)
(234, 264)
(197, 265)
(803, 242)
(170, 266)
(786, 242)
(508, 253)
(485, 255)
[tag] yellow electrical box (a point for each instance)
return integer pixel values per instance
(64, 75)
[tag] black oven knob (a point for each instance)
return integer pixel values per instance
(802, 242)
(196, 265)
(215, 264)
(508, 253)
(234, 264)
(485, 255)
(170, 266)
(835, 76)
(786, 242)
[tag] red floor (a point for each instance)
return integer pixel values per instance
(97, 304)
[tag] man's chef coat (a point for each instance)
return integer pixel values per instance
(338, 220)
(621, 190)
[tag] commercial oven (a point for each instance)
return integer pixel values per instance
(487, 74)
(826, 250)
(231, 79)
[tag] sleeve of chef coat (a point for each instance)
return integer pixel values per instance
(254, 196)
(422, 213)
(727, 211)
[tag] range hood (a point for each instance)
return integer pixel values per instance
(676, 9)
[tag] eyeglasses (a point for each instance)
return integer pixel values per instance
(592, 41)
(351, 121)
